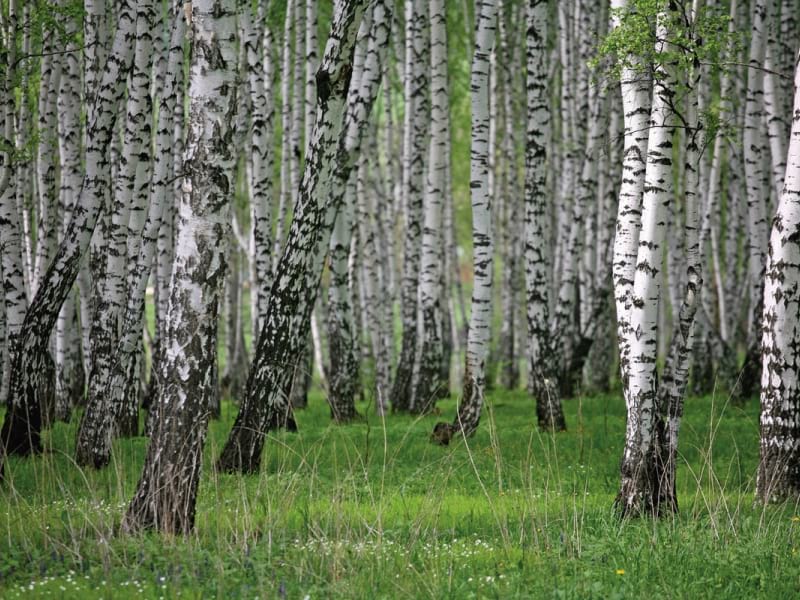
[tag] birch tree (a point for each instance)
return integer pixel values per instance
(754, 153)
(69, 370)
(98, 426)
(166, 494)
(639, 468)
(543, 370)
(343, 373)
(430, 275)
(415, 95)
(113, 293)
(258, 47)
(327, 165)
(471, 405)
(636, 106)
(654, 409)
(14, 290)
(779, 467)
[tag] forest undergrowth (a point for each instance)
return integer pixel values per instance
(374, 510)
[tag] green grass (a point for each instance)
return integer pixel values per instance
(373, 510)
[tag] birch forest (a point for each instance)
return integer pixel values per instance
(400, 298)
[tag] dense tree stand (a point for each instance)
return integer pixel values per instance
(30, 354)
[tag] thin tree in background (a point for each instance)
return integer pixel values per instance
(415, 93)
(471, 404)
(754, 154)
(343, 372)
(258, 44)
(94, 445)
(430, 274)
(113, 293)
(542, 381)
(69, 368)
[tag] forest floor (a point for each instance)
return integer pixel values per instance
(374, 510)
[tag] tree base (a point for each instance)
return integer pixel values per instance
(443, 433)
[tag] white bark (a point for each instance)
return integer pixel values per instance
(298, 95)
(779, 468)
(260, 77)
(638, 467)
(416, 123)
(69, 376)
(754, 156)
(46, 152)
(111, 406)
(22, 424)
(124, 226)
(167, 491)
(776, 127)
(430, 274)
(311, 64)
(296, 282)
(286, 201)
(471, 405)
(543, 368)
(15, 300)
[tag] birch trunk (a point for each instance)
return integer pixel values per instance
(675, 375)
(113, 294)
(430, 275)
(69, 370)
(298, 95)
(779, 467)
(343, 370)
(414, 145)
(286, 201)
(11, 264)
(601, 358)
(754, 154)
(636, 98)
(296, 281)
(258, 47)
(311, 65)
(776, 127)
(166, 494)
(102, 418)
(46, 152)
(471, 405)
(542, 380)
(374, 292)
(165, 244)
(641, 467)
(508, 374)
